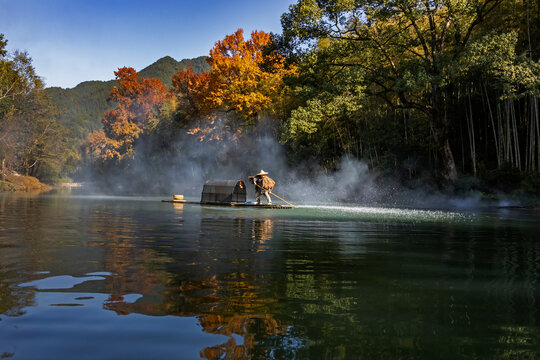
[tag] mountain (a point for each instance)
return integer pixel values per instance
(166, 67)
(82, 107)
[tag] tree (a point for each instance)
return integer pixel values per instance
(187, 87)
(17, 74)
(243, 78)
(409, 50)
(138, 102)
(244, 81)
(37, 139)
(3, 44)
(326, 112)
(17, 77)
(31, 140)
(493, 65)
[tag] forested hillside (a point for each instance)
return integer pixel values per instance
(443, 93)
(82, 107)
(166, 67)
(447, 88)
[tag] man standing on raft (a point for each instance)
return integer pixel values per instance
(263, 186)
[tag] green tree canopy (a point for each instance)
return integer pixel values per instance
(31, 140)
(410, 51)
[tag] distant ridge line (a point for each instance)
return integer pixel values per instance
(198, 64)
(82, 107)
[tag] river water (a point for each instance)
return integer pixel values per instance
(85, 277)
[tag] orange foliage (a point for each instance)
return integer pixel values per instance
(240, 325)
(100, 146)
(242, 77)
(136, 103)
(187, 87)
(243, 81)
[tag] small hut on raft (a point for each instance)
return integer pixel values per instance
(223, 192)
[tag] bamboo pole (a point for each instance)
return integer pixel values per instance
(285, 201)
(528, 138)
(470, 126)
(508, 139)
(535, 102)
(516, 135)
(495, 138)
(501, 130)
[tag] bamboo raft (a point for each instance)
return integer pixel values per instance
(230, 193)
(261, 206)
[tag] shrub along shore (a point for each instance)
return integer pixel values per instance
(13, 182)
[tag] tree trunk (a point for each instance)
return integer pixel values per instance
(440, 125)
(495, 137)
(449, 165)
(515, 134)
(470, 128)
(448, 172)
(535, 102)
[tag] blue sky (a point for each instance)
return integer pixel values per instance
(71, 41)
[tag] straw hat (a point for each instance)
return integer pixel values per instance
(262, 172)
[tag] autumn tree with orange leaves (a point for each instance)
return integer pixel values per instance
(137, 105)
(188, 88)
(244, 80)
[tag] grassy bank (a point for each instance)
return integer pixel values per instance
(13, 182)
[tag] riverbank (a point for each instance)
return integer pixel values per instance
(13, 182)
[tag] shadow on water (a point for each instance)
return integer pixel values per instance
(150, 279)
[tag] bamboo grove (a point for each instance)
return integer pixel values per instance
(440, 90)
(461, 75)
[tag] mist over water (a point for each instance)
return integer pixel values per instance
(380, 214)
(186, 163)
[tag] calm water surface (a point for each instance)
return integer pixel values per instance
(134, 278)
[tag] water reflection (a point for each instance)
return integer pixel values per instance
(261, 232)
(259, 285)
(208, 277)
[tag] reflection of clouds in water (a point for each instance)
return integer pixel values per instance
(60, 282)
(121, 304)
(197, 270)
(116, 302)
(59, 324)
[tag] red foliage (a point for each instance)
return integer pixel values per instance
(188, 86)
(136, 103)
